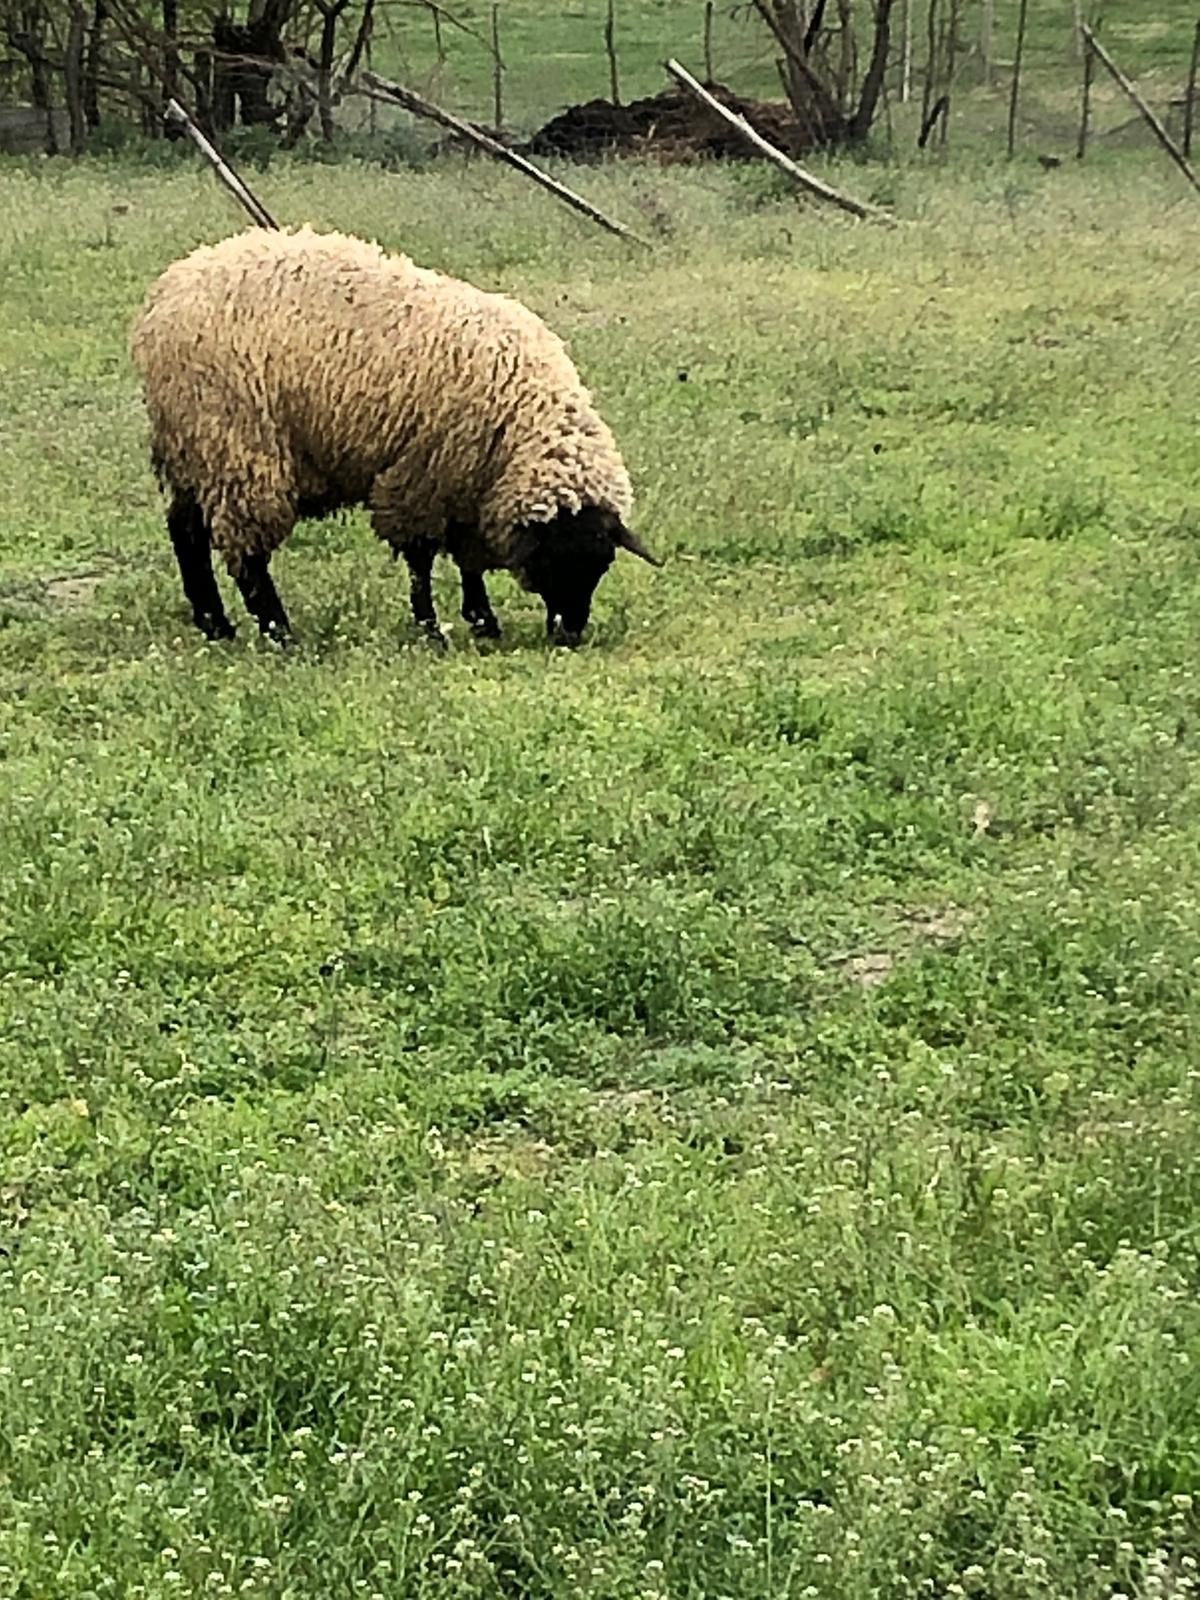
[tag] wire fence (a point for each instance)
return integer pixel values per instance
(513, 64)
(558, 60)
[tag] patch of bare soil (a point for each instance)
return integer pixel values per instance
(671, 125)
(73, 590)
(936, 925)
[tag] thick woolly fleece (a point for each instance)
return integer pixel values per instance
(290, 373)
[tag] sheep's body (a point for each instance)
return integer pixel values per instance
(290, 374)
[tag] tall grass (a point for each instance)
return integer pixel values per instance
(711, 1115)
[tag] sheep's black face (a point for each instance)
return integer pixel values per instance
(569, 557)
(565, 559)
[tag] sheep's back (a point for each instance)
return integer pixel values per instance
(323, 367)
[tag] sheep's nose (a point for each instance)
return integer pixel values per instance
(569, 637)
(561, 634)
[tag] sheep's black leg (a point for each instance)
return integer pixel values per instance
(419, 557)
(477, 608)
(193, 551)
(253, 578)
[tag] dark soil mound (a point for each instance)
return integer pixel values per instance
(672, 125)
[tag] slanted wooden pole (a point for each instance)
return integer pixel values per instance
(804, 180)
(1015, 91)
(237, 188)
(372, 84)
(1085, 108)
(1189, 103)
(1152, 122)
(708, 59)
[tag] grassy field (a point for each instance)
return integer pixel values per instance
(713, 1115)
(554, 55)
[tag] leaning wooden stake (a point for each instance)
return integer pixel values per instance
(708, 56)
(239, 190)
(805, 180)
(372, 85)
(1155, 126)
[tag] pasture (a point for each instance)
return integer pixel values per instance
(710, 1115)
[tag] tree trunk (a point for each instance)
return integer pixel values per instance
(329, 22)
(362, 41)
(863, 119)
(28, 36)
(170, 61)
(92, 63)
(811, 97)
(73, 77)
(224, 108)
(202, 82)
(846, 56)
(246, 57)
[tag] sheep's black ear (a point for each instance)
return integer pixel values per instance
(629, 540)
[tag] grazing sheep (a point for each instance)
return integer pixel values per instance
(290, 374)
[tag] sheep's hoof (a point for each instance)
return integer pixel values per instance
(215, 629)
(484, 627)
(434, 637)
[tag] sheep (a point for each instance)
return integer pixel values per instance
(291, 374)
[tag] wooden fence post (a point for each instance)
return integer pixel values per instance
(1015, 94)
(497, 71)
(986, 32)
(929, 95)
(1085, 108)
(1189, 104)
(610, 45)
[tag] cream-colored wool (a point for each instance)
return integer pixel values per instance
(294, 371)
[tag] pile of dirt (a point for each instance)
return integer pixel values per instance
(671, 125)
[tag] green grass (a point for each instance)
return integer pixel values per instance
(554, 55)
(710, 1115)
